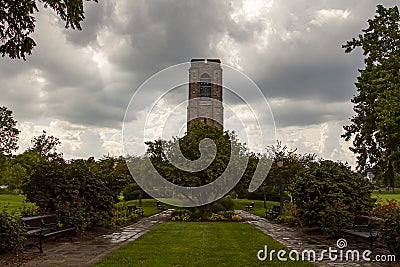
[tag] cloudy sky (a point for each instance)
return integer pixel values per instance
(77, 84)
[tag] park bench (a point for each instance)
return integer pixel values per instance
(274, 212)
(250, 207)
(363, 227)
(41, 227)
(160, 206)
(132, 209)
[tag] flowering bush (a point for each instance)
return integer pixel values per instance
(217, 217)
(74, 212)
(389, 226)
(187, 215)
(326, 192)
(181, 215)
(335, 215)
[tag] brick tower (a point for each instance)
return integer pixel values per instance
(205, 93)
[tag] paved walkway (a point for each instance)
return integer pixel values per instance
(300, 241)
(79, 254)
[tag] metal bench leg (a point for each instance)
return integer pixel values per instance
(40, 245)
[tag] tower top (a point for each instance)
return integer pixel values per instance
(205, 93)
(214, 60)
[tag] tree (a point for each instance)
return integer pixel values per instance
(17, 22)
(8, 132)
(162, 152)
(376, 125)
(12, 175)
(45, 145)
(292, 164)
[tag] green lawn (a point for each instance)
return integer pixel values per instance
(386, 194)
(197, 244)
(149, 206)
(11, 202)
(240, 204)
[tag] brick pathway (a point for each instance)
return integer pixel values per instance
(89, 252)
(298, 240)
(79, 254)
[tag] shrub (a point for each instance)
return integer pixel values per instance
(327, 189)
(81, 192)
(130, 192)
(217, 207)
(121, 215)
(227, 203)
(389, 227)
(289, 214)
(225, 216)
(223, 204)
(181, 215)
(335, 216)
(28, 211)
(217, 217)
(12, 231)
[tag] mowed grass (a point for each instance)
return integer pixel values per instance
(259, 210)
(149, 206)
(11, 202)
(386, 195)
(197, 244)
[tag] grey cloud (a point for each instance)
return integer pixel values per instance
(151, 35)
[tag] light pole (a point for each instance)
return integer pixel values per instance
(279, 164)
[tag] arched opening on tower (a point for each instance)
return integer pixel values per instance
(205, 86)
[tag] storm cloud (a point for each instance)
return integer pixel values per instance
(77, 84)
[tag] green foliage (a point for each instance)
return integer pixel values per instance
(8, 131)
(223, 204)
(81, 192)
(336, 215)
(289, 214)
(389, 227)
(121, 214)
(229, 215)
(12, 231)
(217, 217)
(12, 175)
(292, 164)
(217, 207)
(181, 215)
(376, 125)
(133, 191)
(45, 145)
(197, 215)
(160, 151)
(130, 192)
(325, 189)
(17, 22)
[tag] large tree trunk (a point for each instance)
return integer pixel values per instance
(140, 198)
